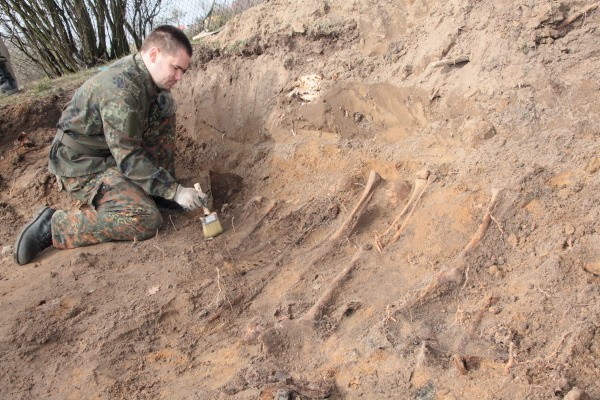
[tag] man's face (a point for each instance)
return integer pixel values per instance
(166, 69)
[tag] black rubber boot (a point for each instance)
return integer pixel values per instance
(34, 237)
(8, 85)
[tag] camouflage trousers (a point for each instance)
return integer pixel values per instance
(117, 209)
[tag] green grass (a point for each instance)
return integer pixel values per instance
(47, 87)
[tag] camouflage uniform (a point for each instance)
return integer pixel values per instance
(114, 150)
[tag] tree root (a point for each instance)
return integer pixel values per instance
(453, 274)
(316, 311)
(393, 232)
(511, 358)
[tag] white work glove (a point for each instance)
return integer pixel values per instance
(190, 198)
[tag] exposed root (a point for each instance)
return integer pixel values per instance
(159, 249)
(511, 358)
(315, 312)
(393, 232)
(217, 299)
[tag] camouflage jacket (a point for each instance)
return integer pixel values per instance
(111, 111)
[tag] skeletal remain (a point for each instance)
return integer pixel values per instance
(327, 296)
(393, 232)
(346, 228)
(452, 274)
(399, 231)
(327, 246)
(483, 226)
(575, 16)
(458, 357)
(451, 61)
(438, 284)
(348, 225)
(269, 208)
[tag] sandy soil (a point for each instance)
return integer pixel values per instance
(467, 267)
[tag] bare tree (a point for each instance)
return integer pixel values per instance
(62, 36)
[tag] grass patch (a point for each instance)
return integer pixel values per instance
(47, 87)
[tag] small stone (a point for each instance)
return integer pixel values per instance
(576, 394)
(592, 267)
(423, 174)
(298, 27)
(569, 229)
(495, 271)
(593, 166)
(475, 131)
(283, 394)
(358, 117)
(283, 377)
(495, 310)
(6, 250)
(513, 240)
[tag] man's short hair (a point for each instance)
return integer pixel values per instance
(168, 39)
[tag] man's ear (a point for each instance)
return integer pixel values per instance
(153, 53)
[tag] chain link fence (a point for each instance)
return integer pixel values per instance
(192, 16)
(196, 16)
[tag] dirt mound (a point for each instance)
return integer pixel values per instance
(410, 196)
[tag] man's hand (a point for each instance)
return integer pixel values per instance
(190, 198)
